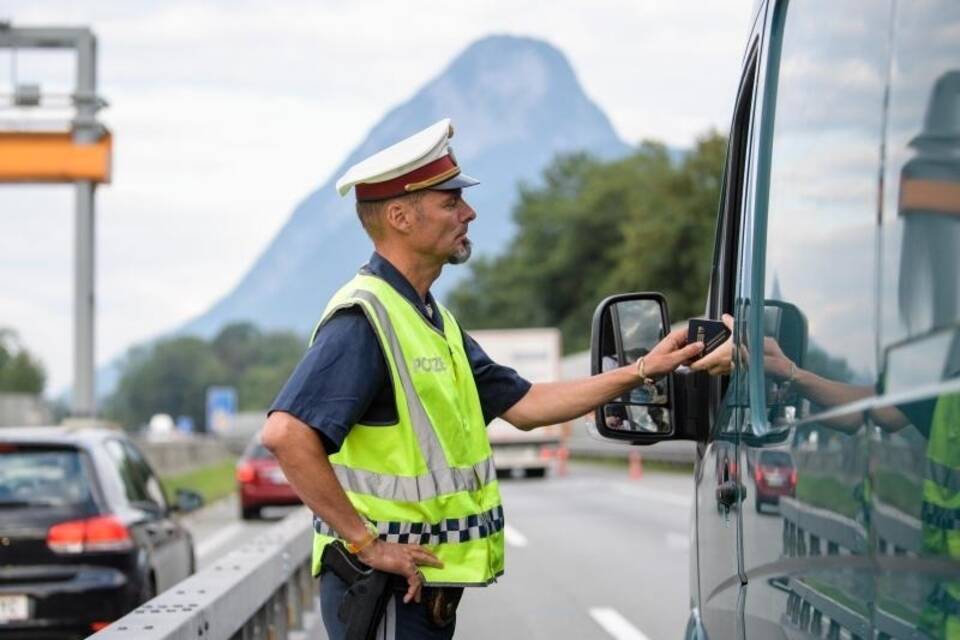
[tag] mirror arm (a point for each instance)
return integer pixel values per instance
(690, 409)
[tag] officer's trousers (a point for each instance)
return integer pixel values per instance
(400, 622)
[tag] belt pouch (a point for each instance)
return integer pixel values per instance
(365, 599)
(441, 603)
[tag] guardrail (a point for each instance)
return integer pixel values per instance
(184, 454)
(811, 531)
(261, 590)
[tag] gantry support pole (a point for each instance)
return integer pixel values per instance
(85, 130)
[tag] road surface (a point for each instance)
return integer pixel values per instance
(593, 554)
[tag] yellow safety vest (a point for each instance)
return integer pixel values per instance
(430, 478)
(941, 515)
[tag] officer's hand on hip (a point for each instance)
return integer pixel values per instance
(402, 559)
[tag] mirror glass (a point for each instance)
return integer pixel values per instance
(784, 353)
(641, 327)
(635, 327)
(188, 500)
(636, 419)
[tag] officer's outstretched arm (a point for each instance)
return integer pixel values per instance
(553, 402)
(304, 461)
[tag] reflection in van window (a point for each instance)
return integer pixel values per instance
(822, 205)
(920, 288)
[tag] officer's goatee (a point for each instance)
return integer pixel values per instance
(462, 254)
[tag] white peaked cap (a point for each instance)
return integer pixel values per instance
(422, 161)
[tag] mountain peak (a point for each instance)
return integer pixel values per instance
(515, 103)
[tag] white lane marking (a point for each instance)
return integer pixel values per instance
(513, 537)
(615, 624)
(212, 543)
(674, 499)
(678, 541)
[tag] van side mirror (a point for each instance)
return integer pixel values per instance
(785, 323)
(187, 500)
(784, 330)
(625, 328)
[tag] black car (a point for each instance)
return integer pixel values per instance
(86, 532)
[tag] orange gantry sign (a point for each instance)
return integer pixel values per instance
(53, 157)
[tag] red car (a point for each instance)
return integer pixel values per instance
(261, 482)
(775, 475)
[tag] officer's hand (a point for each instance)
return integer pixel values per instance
(718, 362)
(402, 559)
(670, 353)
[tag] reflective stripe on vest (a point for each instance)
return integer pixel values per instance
(426, 436)
(432, 484)
(943, 476)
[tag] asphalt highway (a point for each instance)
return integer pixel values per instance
(592, 554)
(217, 530)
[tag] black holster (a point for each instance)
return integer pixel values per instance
(367, 593)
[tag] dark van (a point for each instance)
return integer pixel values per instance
(838, 253)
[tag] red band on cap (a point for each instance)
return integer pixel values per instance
(398, 186)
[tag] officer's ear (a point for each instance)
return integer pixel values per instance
(400, 215)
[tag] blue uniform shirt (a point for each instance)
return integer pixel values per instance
(343, 380)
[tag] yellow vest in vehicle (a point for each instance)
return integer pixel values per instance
(941, 515)
(430, 478)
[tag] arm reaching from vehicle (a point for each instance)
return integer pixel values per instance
(819, 390)
(828, 393)
(718, 362)
(304, 461)
(553, 402)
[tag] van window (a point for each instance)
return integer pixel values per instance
(816, 208)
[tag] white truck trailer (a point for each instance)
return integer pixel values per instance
(535, 354)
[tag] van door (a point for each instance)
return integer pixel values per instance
(812, 359)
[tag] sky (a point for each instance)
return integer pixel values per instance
(226, 114)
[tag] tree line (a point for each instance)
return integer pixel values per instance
(593, 228)
(172, 375)
(20, 371)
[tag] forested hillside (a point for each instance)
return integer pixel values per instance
(172, 375)
(594, 228)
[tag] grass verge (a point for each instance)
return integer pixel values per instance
(828, 493)
(900, 490)
(212, 482)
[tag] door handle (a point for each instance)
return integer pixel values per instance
(729, 492)
(157, 530)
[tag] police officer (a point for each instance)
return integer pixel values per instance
(381, 427)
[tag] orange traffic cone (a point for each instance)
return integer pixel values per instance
(636, 465)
